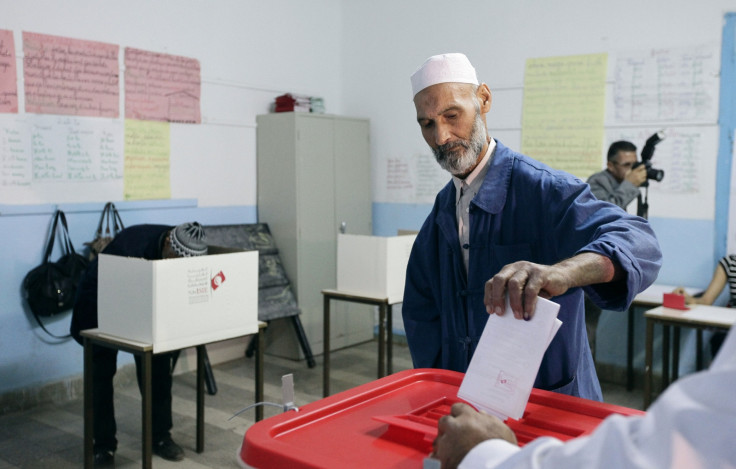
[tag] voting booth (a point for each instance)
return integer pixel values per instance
(373, 265)
(392, 422)
(181, 302)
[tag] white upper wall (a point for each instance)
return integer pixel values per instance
(384, 41)
(250, 51)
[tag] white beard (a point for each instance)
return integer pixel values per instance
(459, 157)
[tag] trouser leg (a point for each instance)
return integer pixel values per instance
(104, 363)
(161, 377)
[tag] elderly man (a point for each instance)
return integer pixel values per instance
(149, 242)
(507, 224)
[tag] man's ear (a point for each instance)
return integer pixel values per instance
(484, 98)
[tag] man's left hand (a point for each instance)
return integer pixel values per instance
(524, 281)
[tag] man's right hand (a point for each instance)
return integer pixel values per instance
(462, 429)
(637, 176)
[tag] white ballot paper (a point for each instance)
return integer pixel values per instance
(501, 374)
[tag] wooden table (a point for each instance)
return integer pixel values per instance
(145, 351)
(385, 331)
(699, 317)
(649, 298)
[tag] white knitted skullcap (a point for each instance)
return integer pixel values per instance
(443, 68)
(188, 240)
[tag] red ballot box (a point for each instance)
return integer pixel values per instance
(391, 422)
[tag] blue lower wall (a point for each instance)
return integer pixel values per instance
(29, 357)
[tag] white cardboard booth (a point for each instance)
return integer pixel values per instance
(373, 265)
(182, 302)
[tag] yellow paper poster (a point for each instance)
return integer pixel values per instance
(147, 160)
(564, 112)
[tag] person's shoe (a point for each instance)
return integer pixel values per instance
(168, 450)
(104, 458)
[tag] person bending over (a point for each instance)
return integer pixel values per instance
(148, 242)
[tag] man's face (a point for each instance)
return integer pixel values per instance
(449, 115)
(621, 164)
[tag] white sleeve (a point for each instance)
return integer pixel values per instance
(492, 454)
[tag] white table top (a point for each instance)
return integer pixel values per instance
(348, 295)
(704, 315)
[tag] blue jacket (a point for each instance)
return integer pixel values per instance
(524, 210)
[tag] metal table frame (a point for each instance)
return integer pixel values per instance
(649, 298)
(385, 331)
(700, 317)
(94, 336)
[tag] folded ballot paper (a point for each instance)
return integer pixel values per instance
(501, 374)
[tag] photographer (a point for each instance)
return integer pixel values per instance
(619, 183)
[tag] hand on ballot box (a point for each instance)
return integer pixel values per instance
(462, 429)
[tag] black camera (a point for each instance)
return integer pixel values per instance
(646, 155)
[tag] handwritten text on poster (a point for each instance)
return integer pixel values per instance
(161, 87)
(147, 164)
(564, 111)
(70, 76)
(8, 77)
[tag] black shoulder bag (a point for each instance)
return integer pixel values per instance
(51, 287)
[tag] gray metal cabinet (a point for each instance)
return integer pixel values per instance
(314, 172)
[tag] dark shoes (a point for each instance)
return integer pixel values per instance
(104, 458)
(168, 450)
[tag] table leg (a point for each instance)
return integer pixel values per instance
(648, 364)
(665, 357)
(260, 339)
(630, 350)
(146, 409)
(675, 353)
(381, 340)
(89, 455)
(200, 397)
(390, 340)
(326, 349)
(699, 350)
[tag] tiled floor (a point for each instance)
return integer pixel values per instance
(51, 436)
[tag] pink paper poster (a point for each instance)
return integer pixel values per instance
(8, 77)
(161, 87)
(70, 76)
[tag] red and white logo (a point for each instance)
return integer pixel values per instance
(217, 280)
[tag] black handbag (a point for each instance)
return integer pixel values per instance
(113, 225)
(51, 287)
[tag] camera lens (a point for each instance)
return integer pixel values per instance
(655, 174)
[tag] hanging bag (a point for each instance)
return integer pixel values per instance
(51, 287)
(113, 224)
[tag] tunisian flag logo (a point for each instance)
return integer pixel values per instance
(217, 280)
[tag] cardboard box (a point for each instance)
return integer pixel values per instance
(373, 265)
(182, 302)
